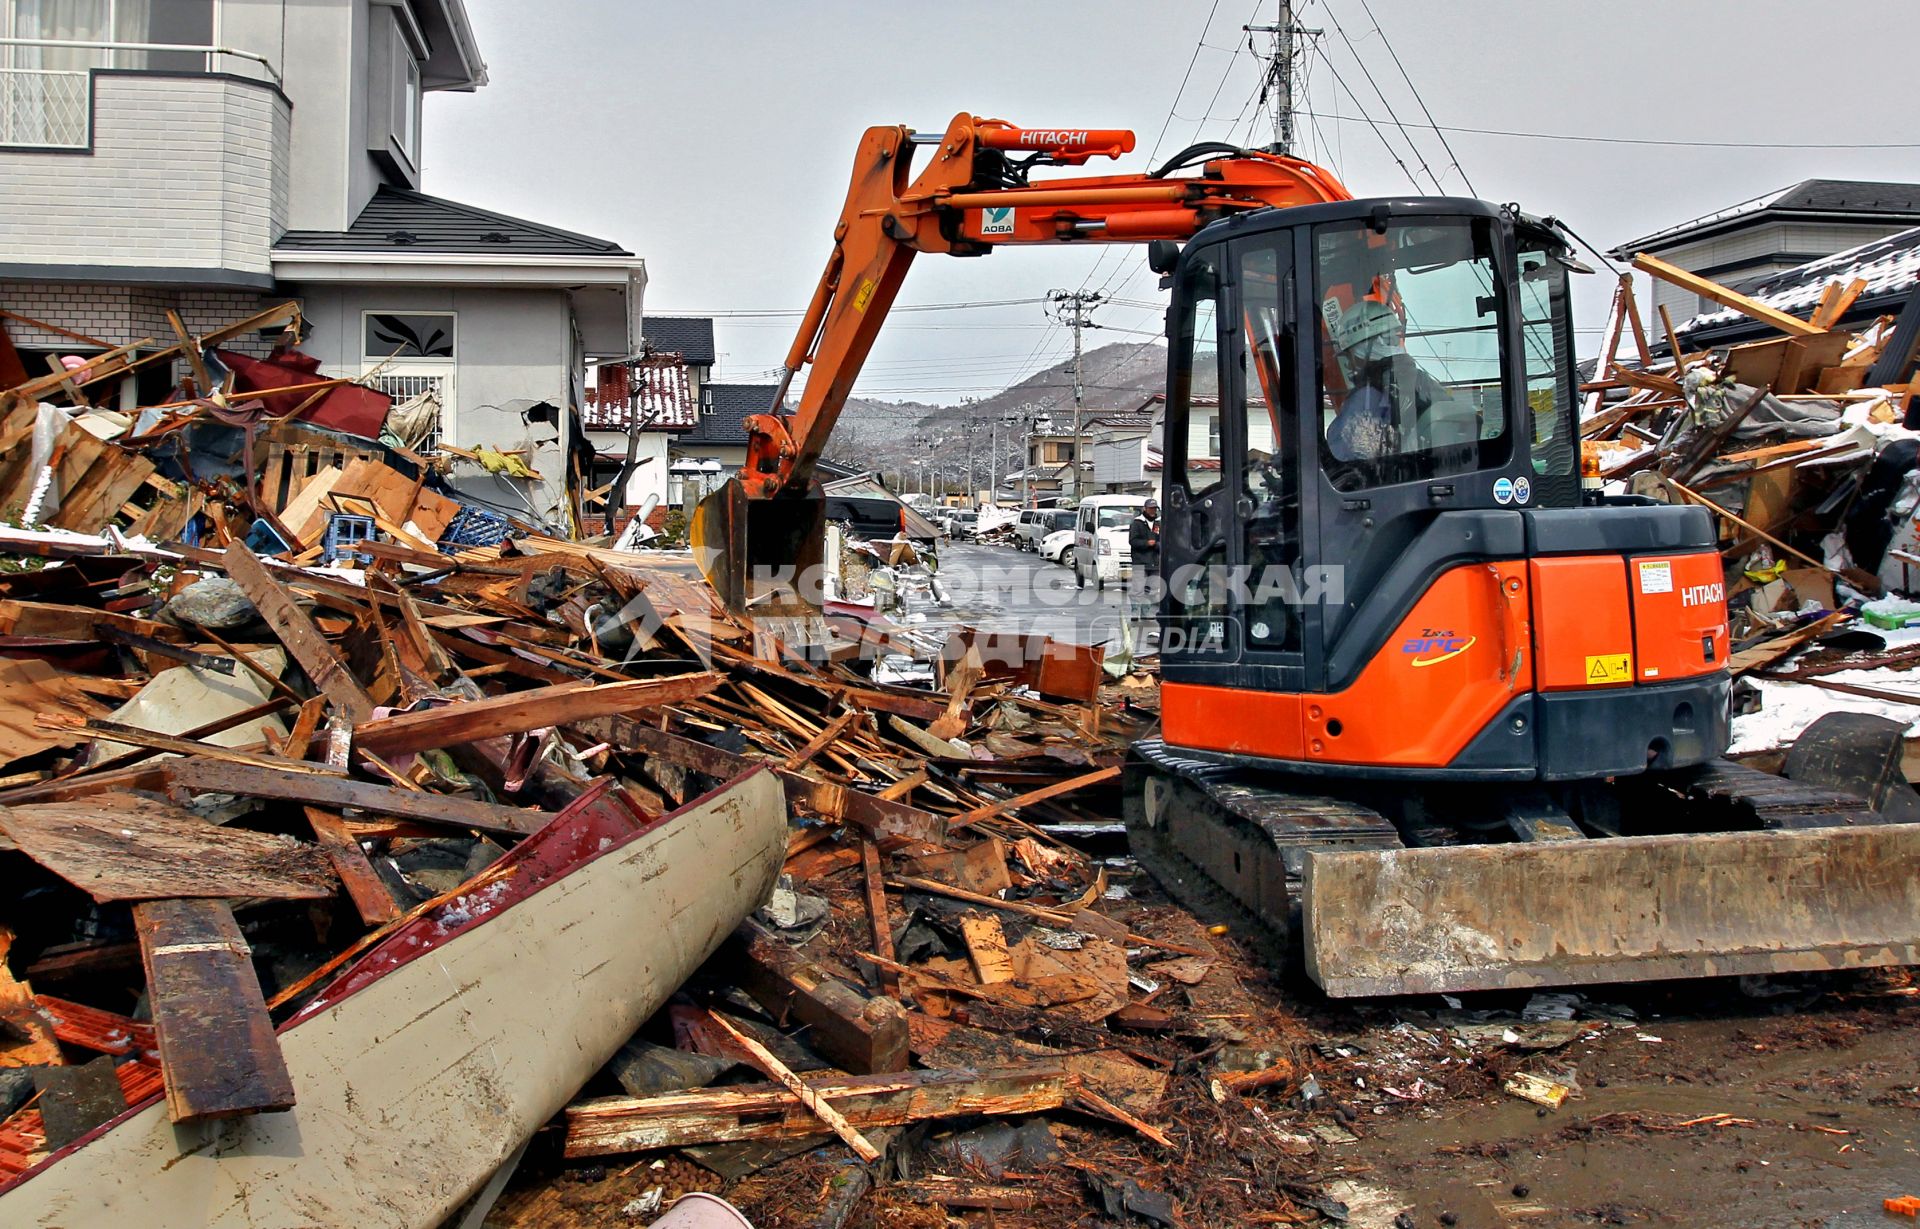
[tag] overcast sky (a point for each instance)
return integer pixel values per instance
(715, 139)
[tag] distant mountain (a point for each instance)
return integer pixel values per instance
(896, 435)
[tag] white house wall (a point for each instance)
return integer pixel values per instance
(323, 49)
(187, 172)
(509, 345)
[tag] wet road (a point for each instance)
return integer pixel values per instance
(999, 589)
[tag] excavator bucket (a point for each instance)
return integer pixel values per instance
(761, 556)
(1571, 912)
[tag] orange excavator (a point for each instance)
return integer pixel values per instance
(1436, 716)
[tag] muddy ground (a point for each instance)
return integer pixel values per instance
(1709, 1107)
(1784, 1102)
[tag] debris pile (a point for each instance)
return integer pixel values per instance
(1803, 448)
(260, 450)
(239, 794)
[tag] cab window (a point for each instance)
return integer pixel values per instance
(1546, 337)
(1192, 455)
(1411, 385)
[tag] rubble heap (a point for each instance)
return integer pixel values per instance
(1803, 447)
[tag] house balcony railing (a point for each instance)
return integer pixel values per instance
(52, 108)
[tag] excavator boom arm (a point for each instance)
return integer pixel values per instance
(968, 199)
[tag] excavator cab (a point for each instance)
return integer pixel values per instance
(1375, 538)
(1430, 714)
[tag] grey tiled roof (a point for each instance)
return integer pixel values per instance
(691, 337)
(1890, 267)
(1821, 196)
(400, 220)
(732, 403)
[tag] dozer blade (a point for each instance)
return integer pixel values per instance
(761, 556)
(1481, 917)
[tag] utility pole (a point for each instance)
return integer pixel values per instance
(1072, 308)
(1277, 90)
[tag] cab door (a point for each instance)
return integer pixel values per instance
(1200, 642)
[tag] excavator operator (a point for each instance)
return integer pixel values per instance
(1386, 389)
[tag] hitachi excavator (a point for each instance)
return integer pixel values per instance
(1433, 716)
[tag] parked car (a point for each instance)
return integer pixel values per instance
(1055, 547)
(1100, 549)
(960, 522)
(1036, 523)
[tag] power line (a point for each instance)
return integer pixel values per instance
(1566, 136)
(742, 313)
(1382, 96)
(1388, 43)
(1361, 107)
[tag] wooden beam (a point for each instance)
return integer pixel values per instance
(466, 721)
(610, 1125)
(1835, 301)
(218, 1053)
(845, 1026)
(759, 1056)
(297, 632)
(1032, 796)
(873, 815)
(1673, 338)
(1714, 291)
(215, 775)
(876, 891)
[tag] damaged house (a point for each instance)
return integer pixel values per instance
(278, 157)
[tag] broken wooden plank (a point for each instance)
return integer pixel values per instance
(873, 815)
(846, 1027)
(204, 774)
(759, 1056)
(27, 1037)
(298, 633)
(218, 1053)
(988, 811)
(986, 944)
(1709, 289)
(467, 721)
(609, 1125)
(124, 847)
(876, 892)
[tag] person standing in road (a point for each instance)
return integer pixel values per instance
(1143, 546)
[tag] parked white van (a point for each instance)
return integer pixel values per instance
(1100, 550)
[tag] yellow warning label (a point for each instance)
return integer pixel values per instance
(1610, 668)
(863, 295)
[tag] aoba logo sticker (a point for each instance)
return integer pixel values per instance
(1503, 491)
(997, 221)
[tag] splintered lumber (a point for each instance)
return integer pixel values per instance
(1100, 1105)
(609, 1125)
(123, 847)
(1751, 528)
(466, 721)
(965, 1193)
(763, 1058)
(218, 1054)
(26, 1037)
(873, 815)
(856, 1033)
(986, 948)
(298, 633)
(876, 893)
(992, 809)
(1708, 289)
(225, 778)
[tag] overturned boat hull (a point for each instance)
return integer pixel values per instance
(423, 1067)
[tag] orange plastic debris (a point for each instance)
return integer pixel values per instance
(1906, 1205)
